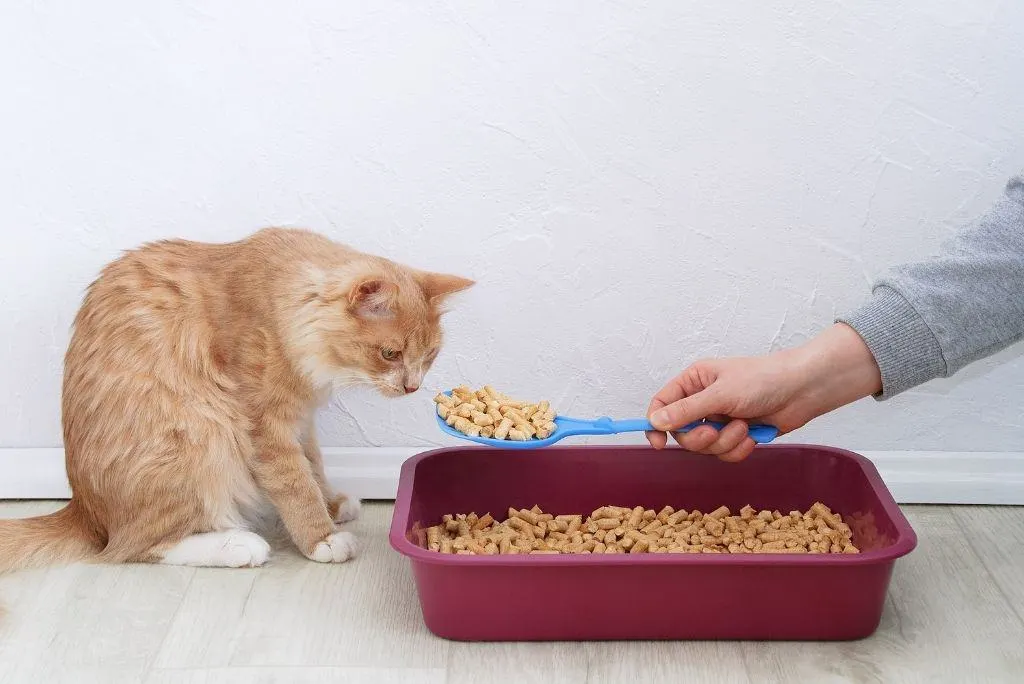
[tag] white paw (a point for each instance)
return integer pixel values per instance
(337, 548)
(348, 511)
(224, 549)
(246, 550)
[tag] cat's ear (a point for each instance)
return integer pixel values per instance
(437, 286)
(372, 297)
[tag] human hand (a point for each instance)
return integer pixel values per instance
(785, 389)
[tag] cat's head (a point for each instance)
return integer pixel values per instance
(376, 323)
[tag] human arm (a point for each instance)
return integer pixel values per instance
(924, 320)
(929, 319)
(786, 389)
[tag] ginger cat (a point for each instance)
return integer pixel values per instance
(190, 386)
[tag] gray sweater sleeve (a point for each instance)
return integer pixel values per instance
(930, 319)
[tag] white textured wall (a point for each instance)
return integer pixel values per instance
(634, 184)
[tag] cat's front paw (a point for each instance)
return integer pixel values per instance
(344, 509)
(336, 548)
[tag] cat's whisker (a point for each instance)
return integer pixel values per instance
(356, 380)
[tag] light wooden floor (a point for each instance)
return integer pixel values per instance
(954, 614)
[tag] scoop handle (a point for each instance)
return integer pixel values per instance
(761, 434)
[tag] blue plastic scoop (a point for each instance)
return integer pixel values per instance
(569, 427)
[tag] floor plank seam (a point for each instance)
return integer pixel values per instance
(170, 624)
(981, 559)
(896, 616)
(746, 665)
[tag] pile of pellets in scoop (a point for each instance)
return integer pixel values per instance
(489, 413)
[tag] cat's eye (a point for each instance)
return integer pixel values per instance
(389, 353)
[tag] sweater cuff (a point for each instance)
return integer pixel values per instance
(906, 350)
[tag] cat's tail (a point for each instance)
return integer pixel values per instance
(61, 537)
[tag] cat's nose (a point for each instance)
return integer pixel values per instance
(409, 389)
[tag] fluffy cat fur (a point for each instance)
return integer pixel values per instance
(190, 385)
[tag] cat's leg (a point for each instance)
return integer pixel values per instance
(341, 508)
(284, 472)
(222, 549)
(344, 508)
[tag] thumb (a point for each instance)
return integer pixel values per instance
(687, 410)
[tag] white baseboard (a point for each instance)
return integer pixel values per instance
(936, 477)
(952, 477)
(367, 473)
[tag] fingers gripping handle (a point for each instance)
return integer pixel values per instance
(761, 434)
